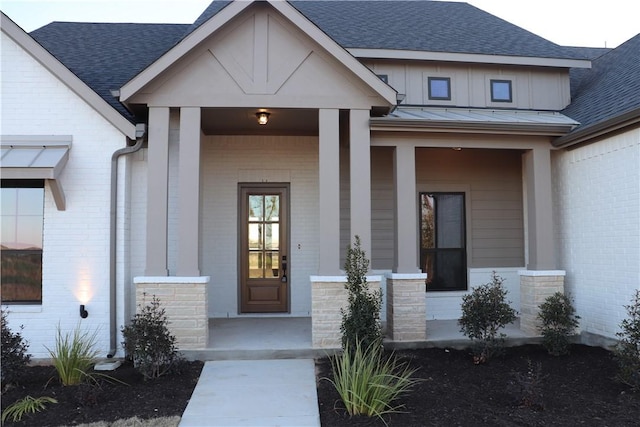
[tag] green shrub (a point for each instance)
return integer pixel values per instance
(27, 405)
(484, 312)
(14, 353)
(368, 383)
(627, 351)
(148, 342)
(559, 322)
(74, 355)
(361, 320)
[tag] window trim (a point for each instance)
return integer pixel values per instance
(432, 97)
(492, 82)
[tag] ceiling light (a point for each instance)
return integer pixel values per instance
(263, 117)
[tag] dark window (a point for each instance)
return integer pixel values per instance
(443, 254)
(440, 88)
(501, 91)
(21, 217)
(383, 77)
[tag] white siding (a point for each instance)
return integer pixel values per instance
(76, 241)
(597, 199)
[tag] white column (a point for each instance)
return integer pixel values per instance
(189, 193)
(406, 218)
(157, 191)
(537, 163)
(329, 165)
(360, 176)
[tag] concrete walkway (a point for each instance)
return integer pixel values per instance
(256, 393)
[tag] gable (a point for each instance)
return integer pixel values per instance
(259, 57)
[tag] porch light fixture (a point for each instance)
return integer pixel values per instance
(83, 312)
(263, 117)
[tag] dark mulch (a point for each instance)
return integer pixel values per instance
(579, 389)
(162, 397)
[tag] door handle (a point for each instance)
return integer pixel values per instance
(284, 269)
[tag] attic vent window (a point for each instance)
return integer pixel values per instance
(440, 88)
(383, 77)
(501, 91)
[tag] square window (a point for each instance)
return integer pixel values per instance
(440, 88)
(501, 91)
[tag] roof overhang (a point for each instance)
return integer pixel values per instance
(49, 62)
(232, 10)
(597, 130)
(474, 120)
(36, 158)
(468, 58)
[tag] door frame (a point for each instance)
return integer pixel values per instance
(285, 244)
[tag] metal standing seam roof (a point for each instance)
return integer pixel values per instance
(32, 161)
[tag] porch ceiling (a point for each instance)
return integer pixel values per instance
(243, 121)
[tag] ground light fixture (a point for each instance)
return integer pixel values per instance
(263, 117)
(83, 312)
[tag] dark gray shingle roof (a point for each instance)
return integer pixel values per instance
(106, 56)
(610, 88)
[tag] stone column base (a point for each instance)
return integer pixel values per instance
(328, 297)
(184, 300)
(406, 307)
(535, 287)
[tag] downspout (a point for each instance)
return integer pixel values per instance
(140, 132)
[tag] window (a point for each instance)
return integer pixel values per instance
(501, 91)
(383, 77)
(443, 255)
(22, 218)
(440, 88)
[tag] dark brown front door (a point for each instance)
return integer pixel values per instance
(264, 274)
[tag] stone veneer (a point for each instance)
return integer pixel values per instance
(185, 302)
(406, 307)
(328, 296)
(535, 287)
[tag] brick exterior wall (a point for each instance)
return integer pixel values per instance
(535, 287)
(185, 302)
(406, 307)
(75, 241)
(597, 209)
(329, 296)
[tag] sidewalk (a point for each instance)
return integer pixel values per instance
(256, 393)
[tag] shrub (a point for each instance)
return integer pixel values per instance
(74, 355)
(528, 386)
(485, 311)
(361, 321)
(148, 342)
(368, 383)
(27, 405)
(14, 353)
(559, 322)
(627, 351)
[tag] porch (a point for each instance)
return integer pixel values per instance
(255, 338)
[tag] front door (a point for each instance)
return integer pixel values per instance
(264, 274)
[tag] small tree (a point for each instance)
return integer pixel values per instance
(149, 343)
(14, 353)
(559, 322)
(361, 320)
(627, 351)
(484, 312)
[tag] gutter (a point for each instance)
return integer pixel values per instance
(595, 130)
(140, 133)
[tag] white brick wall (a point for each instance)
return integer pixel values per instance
(76, 241)
(597, 208)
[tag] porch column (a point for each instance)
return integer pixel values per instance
(329, 154)
(189, 191)
(157, 191)
(406, 218)
(360, 177)
(537, 163)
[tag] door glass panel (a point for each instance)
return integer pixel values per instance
(274, 262)
(428, 221)
(255, 236)
(256, 270)
(256, 207)
(272, 237)
(271, 208)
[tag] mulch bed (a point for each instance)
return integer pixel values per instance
(108, 401)
(579, 389)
